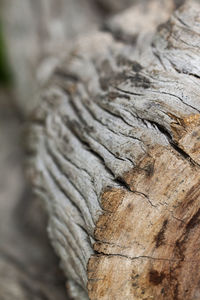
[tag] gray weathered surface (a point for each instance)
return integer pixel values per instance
(107, 102)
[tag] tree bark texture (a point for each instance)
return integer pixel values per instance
(114, 152)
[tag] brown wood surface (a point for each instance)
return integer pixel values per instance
(114, 153)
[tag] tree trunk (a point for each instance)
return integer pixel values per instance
(114, 152)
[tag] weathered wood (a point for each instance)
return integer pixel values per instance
(114, 153)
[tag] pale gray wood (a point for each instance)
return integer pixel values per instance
(107, 102)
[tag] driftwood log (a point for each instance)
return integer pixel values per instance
(114, 152)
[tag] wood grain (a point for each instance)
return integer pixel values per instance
(114, 152)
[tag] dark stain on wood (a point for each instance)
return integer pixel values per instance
(181, 243)
(130, 206)
(155, 277)
(175, 296)
(131, 64)
(191, 196)
(149, 169)
(160, 237)
(140, 81)
(136, 67)
(195, 220)
(180, 249)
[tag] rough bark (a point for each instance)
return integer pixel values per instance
(114, 153)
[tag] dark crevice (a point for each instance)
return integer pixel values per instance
(87, 235)
(57, 164)
(96, 118)
(76, 128)
(62, 190)
(75, 246)
(65, 157)
(68, 179)
(109, 110)
(106, 107)
(183, 71)
(82, 118)
(145, 196)
(181, 151)
(100, 253)
(71, 125)
(177, 97)
(192, 74)
(128, 92)
(111, 153)
(70, 247)
(159, 58)
(181, 21)
(174, 145)
(123, 183)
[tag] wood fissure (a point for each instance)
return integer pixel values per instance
(114, 149)
(163, 239)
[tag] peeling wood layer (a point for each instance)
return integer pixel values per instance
(147, 239)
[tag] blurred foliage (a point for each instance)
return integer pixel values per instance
(5, 70)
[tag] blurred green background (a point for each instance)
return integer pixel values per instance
(6, 77)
